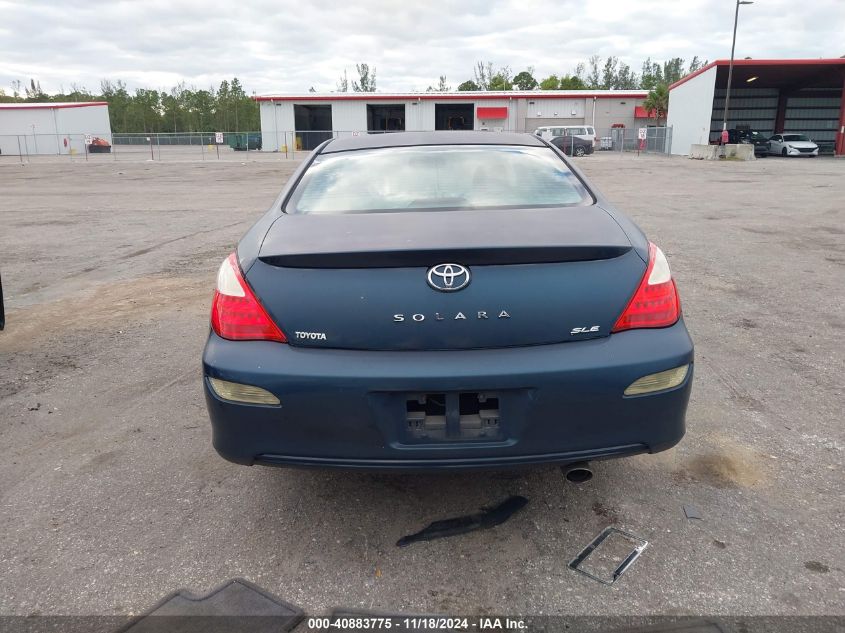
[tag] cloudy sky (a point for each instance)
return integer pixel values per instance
(291, 45)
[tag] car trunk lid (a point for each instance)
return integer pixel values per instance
(360, 281)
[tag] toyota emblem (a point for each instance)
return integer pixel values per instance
(448, 277)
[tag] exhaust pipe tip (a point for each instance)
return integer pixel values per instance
(578, 473)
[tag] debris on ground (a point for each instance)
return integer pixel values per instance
(608, 555)
(488, 518)
(692, 512)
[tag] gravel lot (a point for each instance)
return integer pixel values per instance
(112, 495)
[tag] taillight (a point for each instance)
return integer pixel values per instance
(655, 303)
(236, 313)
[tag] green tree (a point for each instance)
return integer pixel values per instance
(500, 81)
(552, 82)
(203, 109)
(34, 92)
(525, 80)
(696, 64)
(673, 70)
(145, 112)
(169, 113)
(366, 80)
(657, 102)
(608, 74)
(223, 108)
(483, 73)
(343, 83)
(119, 101)
(571, 82)
(626, 79)
(246, 112)
(78, 93)
(181, 109)
(615, 75)
(594, 74)
(441, 85)
(468, 86)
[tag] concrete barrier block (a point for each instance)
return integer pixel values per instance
(739, 151)
(704, 152)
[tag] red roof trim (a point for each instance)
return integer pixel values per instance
(760, 62)
(698, 72)
(50, 106)
(374, 96)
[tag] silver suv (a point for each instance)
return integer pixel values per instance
(585, 132)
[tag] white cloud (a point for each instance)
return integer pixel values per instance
(290, 45)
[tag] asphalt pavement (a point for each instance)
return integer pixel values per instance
(111, 495)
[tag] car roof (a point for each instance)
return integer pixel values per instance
(443, 137)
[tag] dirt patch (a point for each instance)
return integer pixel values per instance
(722, 463)
(603, 511)
(747, 324)
(735, 469)
(103, 306)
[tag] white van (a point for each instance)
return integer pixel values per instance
(586, 132)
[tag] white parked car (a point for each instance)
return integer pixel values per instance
(792, 145)
(585, 132)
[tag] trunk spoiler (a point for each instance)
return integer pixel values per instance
(386, 240)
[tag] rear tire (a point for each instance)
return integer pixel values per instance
(579, 151)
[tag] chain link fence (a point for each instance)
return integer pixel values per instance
(273, 145)
(102, 147)
(652, 140)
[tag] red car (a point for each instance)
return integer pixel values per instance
(99, 146)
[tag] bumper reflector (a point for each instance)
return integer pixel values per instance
(242, 393)
(658, 382)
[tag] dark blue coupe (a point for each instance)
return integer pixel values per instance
(444, 300)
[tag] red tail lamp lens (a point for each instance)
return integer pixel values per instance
(656, 302)
(236, 313)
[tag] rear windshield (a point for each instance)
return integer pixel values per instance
(436, 178)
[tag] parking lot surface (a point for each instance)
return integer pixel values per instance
(112, 495)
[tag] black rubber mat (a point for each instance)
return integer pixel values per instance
(235, 607)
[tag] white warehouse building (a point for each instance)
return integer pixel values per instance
(769, 96)
(51, 128)
(304, 121)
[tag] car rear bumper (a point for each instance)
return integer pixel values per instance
(348, 409)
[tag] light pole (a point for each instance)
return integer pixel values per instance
(731, 66)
